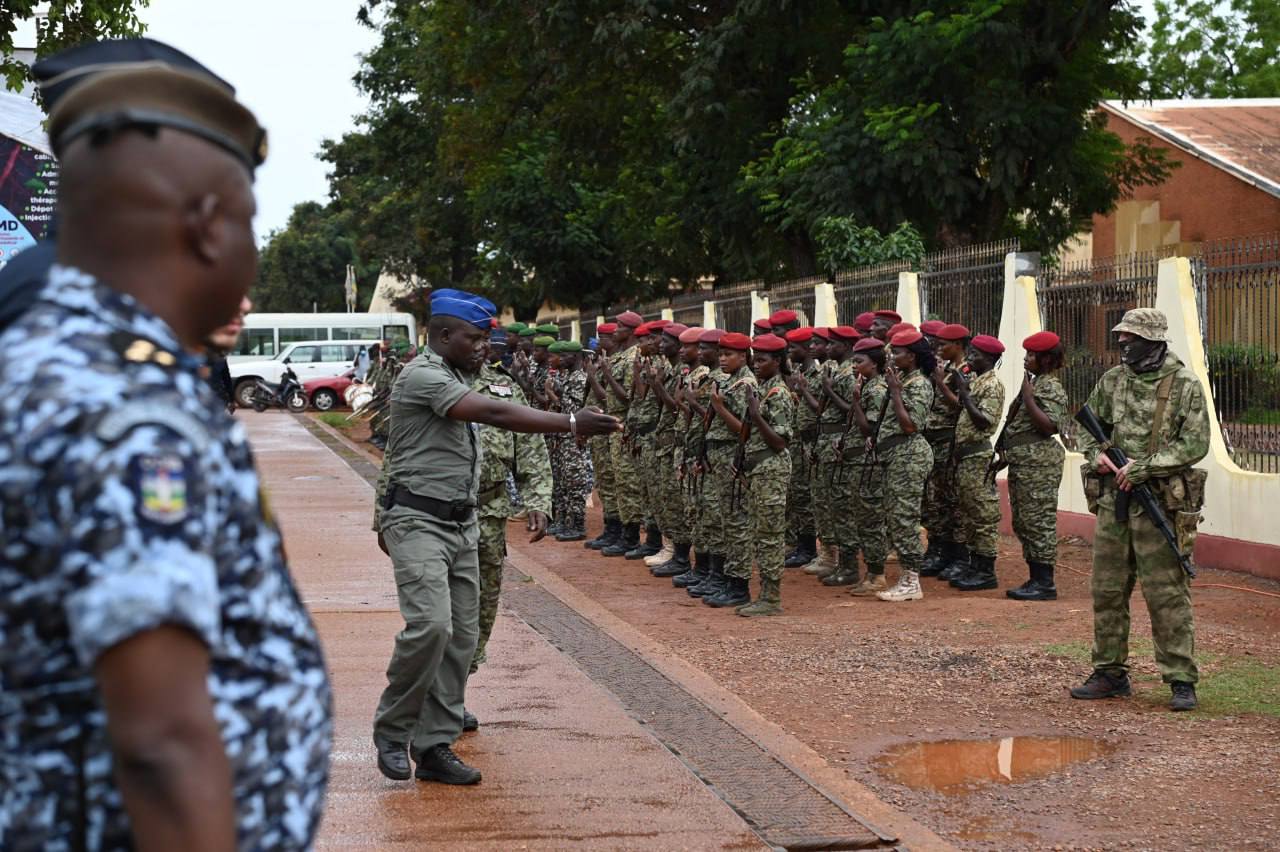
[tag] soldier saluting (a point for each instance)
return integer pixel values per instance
(1156, 408)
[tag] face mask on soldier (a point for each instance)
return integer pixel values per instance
(1142, 355)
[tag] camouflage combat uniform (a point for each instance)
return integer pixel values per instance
(827, 487)
(668, 439)
(977, 501)
(380, 424)
(762, 538)
(800, 491)
(503, 454)
(641, 426)
(690, 452)
(1035, 472)
(866, 479)
(939, 512)
(722, 446)
(906, 461)
(630, 511)
(129, 501)
(1135, 551)
(570, 470)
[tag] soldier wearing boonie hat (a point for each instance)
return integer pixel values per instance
(1160, 419)
(1035, 462)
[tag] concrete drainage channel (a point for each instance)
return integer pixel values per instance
(781, 806)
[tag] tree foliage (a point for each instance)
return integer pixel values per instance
(1207, 49)
(68, 23)
(591, 151)
(304, 264)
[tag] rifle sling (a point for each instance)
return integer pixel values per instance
(1157, 420)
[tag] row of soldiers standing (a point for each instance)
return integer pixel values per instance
(845, 440)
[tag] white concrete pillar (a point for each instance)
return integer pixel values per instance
(575, 330)
(759, 306)
(824, 305)
(668, 315)
(908, 297)
(709, 314)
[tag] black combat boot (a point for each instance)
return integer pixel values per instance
(847, 573)
(805, 552)
(1184, 696)
(935, 558)
(697, 571)
(630, 538)
(676, 565)
(981, 576)
(713, 581)
(439, 763)
(1039, 588)
(612, 528)
(1102, 684)
(572, 532)
(651, 545)
(736, 591)
(957, 562)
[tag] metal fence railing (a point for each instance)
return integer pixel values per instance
(871, 288)
(1238, 294)
(686, 308)
(1081, 302)
(795, 296)
(966, 285)
(734, 313)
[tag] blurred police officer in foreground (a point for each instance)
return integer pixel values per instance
(162, 684)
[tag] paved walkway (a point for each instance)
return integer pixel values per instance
(565, 765)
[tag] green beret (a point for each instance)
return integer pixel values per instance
(516, 328)
(565, 346)
(549, 328)
(543, 340)
(528, 332)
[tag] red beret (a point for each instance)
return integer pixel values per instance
(902, 326)
(823, 332)
(800, 335)
(606, 328)
(654, 325)
(987, 343)
(867, 343)
(631, 319)
(955, 331)
(906, 337)
(674, 329)
(691, 335)
(733, 340)
(1041, 341)
(769, 343)
(890, 315)
(846, 332)
(642, 330)
(932, 327)
(782, 317)
(711, 335)
(763, 324)
(864, 320)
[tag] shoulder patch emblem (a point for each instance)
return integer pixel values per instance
(162, 489)
(500, 390)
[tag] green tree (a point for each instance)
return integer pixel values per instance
(304, 264)
(68, 23)
(1207, 49)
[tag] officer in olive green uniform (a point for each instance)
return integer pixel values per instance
(522, 456)
(1160, 420)
(620, 378)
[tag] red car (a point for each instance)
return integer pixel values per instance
(327, 394)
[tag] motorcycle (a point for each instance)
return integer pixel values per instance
(287, 394)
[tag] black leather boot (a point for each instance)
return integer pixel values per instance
(935, 558)
(651, 544)
(676, 565)
(612, 526)
(1039, 588)
(630, 538)
(697, 571)
(736, 591)
(981, 576)
(957, 562)
(713, 581)
(806, 550)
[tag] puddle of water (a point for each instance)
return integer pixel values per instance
(956, 766)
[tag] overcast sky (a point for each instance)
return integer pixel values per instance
(291, 62)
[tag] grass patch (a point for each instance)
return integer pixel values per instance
(337, 421)
(1078, 652)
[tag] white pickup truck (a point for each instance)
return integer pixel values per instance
(310, 359)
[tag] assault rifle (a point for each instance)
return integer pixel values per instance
(844, 436)
(1146, 498)
(872, 440)
(738, 488)
(999, 461)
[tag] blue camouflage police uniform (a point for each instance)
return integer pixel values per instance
(130, 501)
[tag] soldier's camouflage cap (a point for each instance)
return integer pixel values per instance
(1147, 323)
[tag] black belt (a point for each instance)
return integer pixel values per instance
(942, 434)
(758, 456)
(832, 428)
(808, 433)
(891, 442)
(971, 448)
(1026, 438)
(459, 512)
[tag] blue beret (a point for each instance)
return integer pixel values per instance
(465, 306)
(593, 343)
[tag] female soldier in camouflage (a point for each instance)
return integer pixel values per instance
(866, 477)
(568, 392)
(905, 456)
(1035, 463)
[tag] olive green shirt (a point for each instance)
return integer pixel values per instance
(428, 453)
